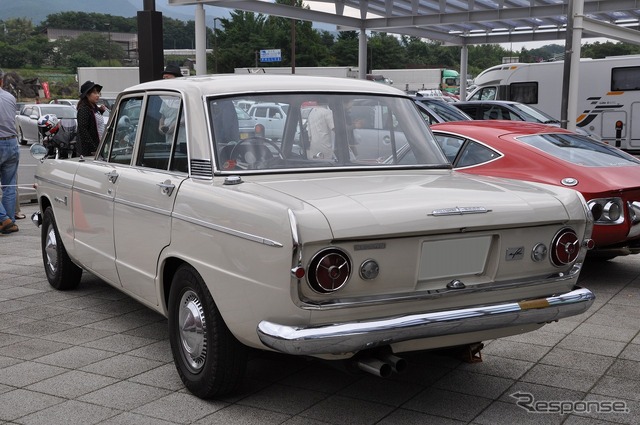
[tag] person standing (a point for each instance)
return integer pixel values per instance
(9, 159)
(90, 121)
(320, 123)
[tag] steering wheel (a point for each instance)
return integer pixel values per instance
(252, 152)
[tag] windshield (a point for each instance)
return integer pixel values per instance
(580, 150)
(320, 130)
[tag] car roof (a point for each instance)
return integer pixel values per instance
(232, 84)
(490, 102)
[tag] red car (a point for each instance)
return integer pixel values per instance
(607, 177)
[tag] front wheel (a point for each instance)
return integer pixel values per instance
(61, 272)
(210, 360)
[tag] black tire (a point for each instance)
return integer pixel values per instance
(210, 360)
(61, 272)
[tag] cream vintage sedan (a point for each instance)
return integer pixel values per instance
(317, 244)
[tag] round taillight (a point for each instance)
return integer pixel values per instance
(259, 130)
(329, 270)
(565, 247)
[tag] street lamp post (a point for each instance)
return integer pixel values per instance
(215, 46)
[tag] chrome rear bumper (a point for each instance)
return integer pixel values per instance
(356, 336)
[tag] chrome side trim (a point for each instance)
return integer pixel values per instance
(53, 182)
(338, 338)
(227, 230)
(93, 193)
(143, 207)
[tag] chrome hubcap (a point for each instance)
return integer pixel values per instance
(51, 250)
(192, 327)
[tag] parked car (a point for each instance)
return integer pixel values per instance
(246, 123)
(70, 102)
(504, 110)
(607, 177)
(436, 110)
(272, 116)
(253, 243)
(508, 110)
(27, 119)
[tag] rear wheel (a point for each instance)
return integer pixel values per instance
(209, 359)
(61, 272)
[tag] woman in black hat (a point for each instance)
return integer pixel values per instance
(90, 121)
(171, 71)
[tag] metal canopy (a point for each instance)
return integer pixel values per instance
(457, 22)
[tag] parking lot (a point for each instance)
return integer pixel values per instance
(94, 355)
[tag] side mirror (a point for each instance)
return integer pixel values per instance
(38, 151)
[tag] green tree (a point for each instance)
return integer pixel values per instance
(599, 50)
(386, 52)
(12, 56)
(239, 40)
(89, 22)
(16, 30)
(79, 59)
(94, 45)
(38, 50)
(344, 52)
(484, 56)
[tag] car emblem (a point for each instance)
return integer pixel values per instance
(459, 211)
(515, 253)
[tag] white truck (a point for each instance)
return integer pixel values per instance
(608, 94)
(112, 79)
(414, 80)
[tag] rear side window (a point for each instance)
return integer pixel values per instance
(524, 92)
(471, 110)
(624, 79)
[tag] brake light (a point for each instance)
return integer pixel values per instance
(329, 270)
(259, 130)
(565, 247)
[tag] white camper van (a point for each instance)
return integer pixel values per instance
(608, 94)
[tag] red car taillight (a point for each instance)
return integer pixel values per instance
(329, 270)
(565, 247)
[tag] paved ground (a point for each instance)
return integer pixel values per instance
(94, 356)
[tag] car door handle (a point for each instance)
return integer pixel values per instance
(167, 187)
(112, 176)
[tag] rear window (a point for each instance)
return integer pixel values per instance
(580, 150)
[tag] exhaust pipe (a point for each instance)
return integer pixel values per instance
(382, 364)
(375, 367)
(397, 364)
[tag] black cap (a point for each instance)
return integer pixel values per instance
(87, 86)
(173, 70)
